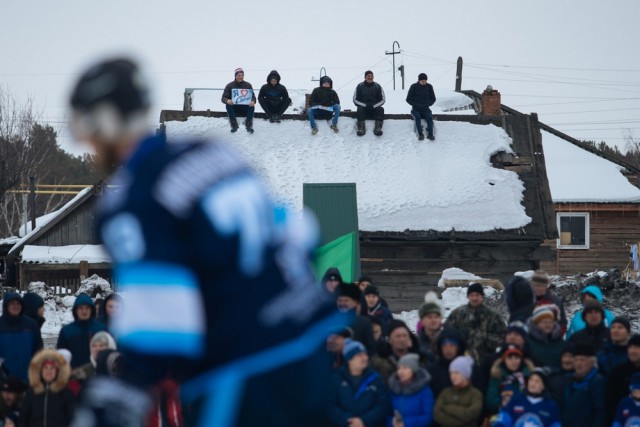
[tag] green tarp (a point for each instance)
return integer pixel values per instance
(338, 253)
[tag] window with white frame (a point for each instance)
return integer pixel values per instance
(573, 230)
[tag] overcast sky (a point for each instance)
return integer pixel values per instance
(574, 62)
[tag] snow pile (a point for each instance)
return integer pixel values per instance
(401, 183)
(95, 286)
(456, 273)
(575, 175)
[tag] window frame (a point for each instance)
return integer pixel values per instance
(587, 237)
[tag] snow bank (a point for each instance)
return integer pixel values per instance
(71, 254)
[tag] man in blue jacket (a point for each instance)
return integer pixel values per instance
(20, 336)
(218, 287)
(421, 97)
(76, 336)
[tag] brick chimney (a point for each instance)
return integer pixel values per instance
(491, 102)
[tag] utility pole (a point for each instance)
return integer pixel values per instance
(394, 53)
(401, 69)
(459, 75)
(32, 201)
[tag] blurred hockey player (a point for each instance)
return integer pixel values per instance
(218, 286)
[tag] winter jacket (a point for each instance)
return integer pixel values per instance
(583, 404)
(20, 338)
(482, 329)
(523, 410)
(545, 350)
(501, 378)
(76, 336)
(369, 95)
(458, 407)
(421, 97)
(519, 298)
(274, 94)
(577, 323)
(385, 361)
(427, 345)
(597, 336)
(323, 96)
(414, 400)
(226, 93)
(627, 413)
(364, 397)
(618, 386)
(383, 314)
(47, 405)
(610, 356)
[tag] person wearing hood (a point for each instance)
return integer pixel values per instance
(99, 342)
(34, 307)
(421, 97)
(519, 298)
(369, 99)
(510, 370)
(331, 279)
(274, 98)
(20, 336)
(591, 292)
(544, 338)
(323, 102)
(534, 407)
(76, 336)
(411, 397)
(48, 402)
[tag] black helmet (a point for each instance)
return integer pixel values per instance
(110, 98)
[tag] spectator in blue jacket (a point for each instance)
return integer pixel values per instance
(532, 408)
(358, 397)
(628, 412)
(411, 396)
(591, 292)
(76, 336)
(614, 352)
(20, 336)
(421, 97)
(584, 395)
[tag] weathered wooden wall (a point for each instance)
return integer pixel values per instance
(74, 229)
(613, 229)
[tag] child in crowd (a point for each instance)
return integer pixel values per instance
(411, 395)
(461, 404)
(511, 369)
(628, 412)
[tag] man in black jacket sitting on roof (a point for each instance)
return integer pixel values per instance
(369, 98)
(273, 97)
(421, 96)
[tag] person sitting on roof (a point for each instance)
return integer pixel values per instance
(274, 98)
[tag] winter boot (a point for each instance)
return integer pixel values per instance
(249, 125)
(234, 124)
(430, 137)
(334, 128)
(362, 129)
(420, 136)
(278, 118)
(272, 119)
(377, 129)
(314, 131)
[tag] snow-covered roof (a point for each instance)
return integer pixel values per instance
(576, 175)
(42, 221)
(71, 254)
(402, 183)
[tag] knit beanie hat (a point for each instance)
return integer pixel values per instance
(540, 277)
(634, 340)
(430, 305)
(542, 373)
(584, 349)
(545, 311)
(366, 73)
(422, 76)
(238, 71)
(395, 324)
(411, 361)
(349, 290)
(371, 290)
(511, 349)
(475, 287)
(463, 365)
(14, 385)
(592, 304)
(518, 327)
(351, 348)
(623, 321)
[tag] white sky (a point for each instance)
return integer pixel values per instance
(545, 56)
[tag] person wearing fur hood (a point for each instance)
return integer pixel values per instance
(411, 395)
(509, 372)
(48, 402)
